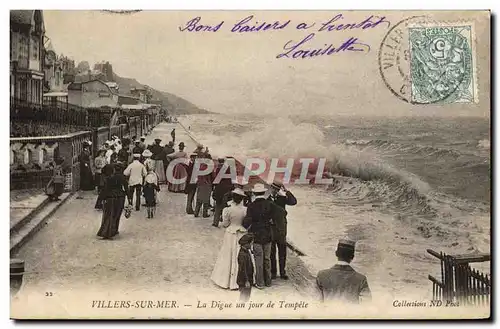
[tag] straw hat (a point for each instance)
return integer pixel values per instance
(259, 188)
(147, 153)
(238, 191)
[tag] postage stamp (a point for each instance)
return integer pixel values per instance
(441, 64)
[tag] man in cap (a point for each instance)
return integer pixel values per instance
(342, 282)
(281, 197)
(158, 157)
(258, 221)
(135, 173)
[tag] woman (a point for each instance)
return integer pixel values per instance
(55, 187)
(226, 267)
(86, 177)
(179, 171)
(99, 163)
(113, 195)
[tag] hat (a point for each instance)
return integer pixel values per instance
(107, 142)
(171, 143)
(143, 137)
(137, 141)
(259, 188)
(238, 191)
(199, 146)
(247, 238)
(346, 244)
(147, 153)
(157, 139)
(277, 185)
(136, 155)
(181, 144)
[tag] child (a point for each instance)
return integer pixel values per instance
(150, 188)
(245, 267)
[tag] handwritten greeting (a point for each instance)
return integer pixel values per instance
(302, 47)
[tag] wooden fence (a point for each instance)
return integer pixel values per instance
(460, 283)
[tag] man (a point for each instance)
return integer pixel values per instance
(281, 197)
(258, 221)
(142, 143)
(172, 133)
(135, 173)
(123, 153)
(342, 282)
(190, 187)
(158, 157)
(138, 149)
(225, 185)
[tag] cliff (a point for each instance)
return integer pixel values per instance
(173, 103)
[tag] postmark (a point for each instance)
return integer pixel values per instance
(441, 64)
(411, 69)
(393, 59)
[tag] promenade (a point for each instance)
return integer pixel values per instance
(170, 257)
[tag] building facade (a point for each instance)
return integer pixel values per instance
(142, 93)
(27, 32)
(91, 94)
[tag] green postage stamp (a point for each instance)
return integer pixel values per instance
(442, 64)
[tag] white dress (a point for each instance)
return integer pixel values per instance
(226, 267)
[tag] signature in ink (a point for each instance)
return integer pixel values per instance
(297, 50)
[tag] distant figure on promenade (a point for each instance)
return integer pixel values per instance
(158, 158)
(203, 190)
(179, 171)
(199, 149)
(190, 186)
(225, 270)
(150, 189)
(225, 185)
(86, 176)
(55, 187)
(258, 221)
(169, 149)
(342, 282)
(172, 133)
(245, 268)
(99, 163)
(281, 197)
(113, 196)
(135, 173)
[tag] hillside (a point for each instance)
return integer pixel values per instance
(173, 103)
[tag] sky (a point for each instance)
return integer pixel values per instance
(239, 72)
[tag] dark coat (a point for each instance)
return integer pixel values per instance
(245, 268)
(283, 201)
(342, 282)
(158, 152)
(225, 185)
(258, 220)
(279, 225)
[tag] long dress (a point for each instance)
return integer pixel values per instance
(86, 177)
(179, 171)
(225, 271)
(113, 194)
(158, 157)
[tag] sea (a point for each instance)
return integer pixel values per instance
(402, 186)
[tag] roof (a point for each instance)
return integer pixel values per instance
(21, 16)
(78, 85)
(56, 94)
(112, 84)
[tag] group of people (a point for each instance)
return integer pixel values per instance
(255, 220)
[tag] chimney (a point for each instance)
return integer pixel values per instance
(89, 75)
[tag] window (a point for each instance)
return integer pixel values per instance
(34, 48)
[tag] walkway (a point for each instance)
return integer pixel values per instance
(167, 258)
